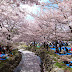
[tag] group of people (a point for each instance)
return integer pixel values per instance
(5, 50)
(62, 51)
(66, 62)
(56, 44)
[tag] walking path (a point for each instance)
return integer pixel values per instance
(29, 63)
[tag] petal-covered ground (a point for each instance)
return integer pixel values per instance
(29, 63)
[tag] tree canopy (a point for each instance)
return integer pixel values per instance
(27, 20)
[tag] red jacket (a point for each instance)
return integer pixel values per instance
(71, 49)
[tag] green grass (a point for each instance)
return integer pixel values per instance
(52, 55)
(58, 58)
(60, 65)
(3, 62)
(15, 52)
(55, 59)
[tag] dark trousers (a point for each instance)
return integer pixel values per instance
(60, 48)
(56, 45)
(47, 48)
(3, 51)
(44, 44)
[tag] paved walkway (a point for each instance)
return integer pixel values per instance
(29, 63)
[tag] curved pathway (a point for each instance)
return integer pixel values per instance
(29, 63)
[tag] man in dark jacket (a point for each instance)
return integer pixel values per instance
(44, 44)
(0, 49)
(66, 44)
(66, 49)
(60, 45)
(47, 47)
(56, 42)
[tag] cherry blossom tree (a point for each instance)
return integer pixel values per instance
(53, 23)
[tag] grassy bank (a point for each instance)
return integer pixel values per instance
(49, 58)
(3, 62)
